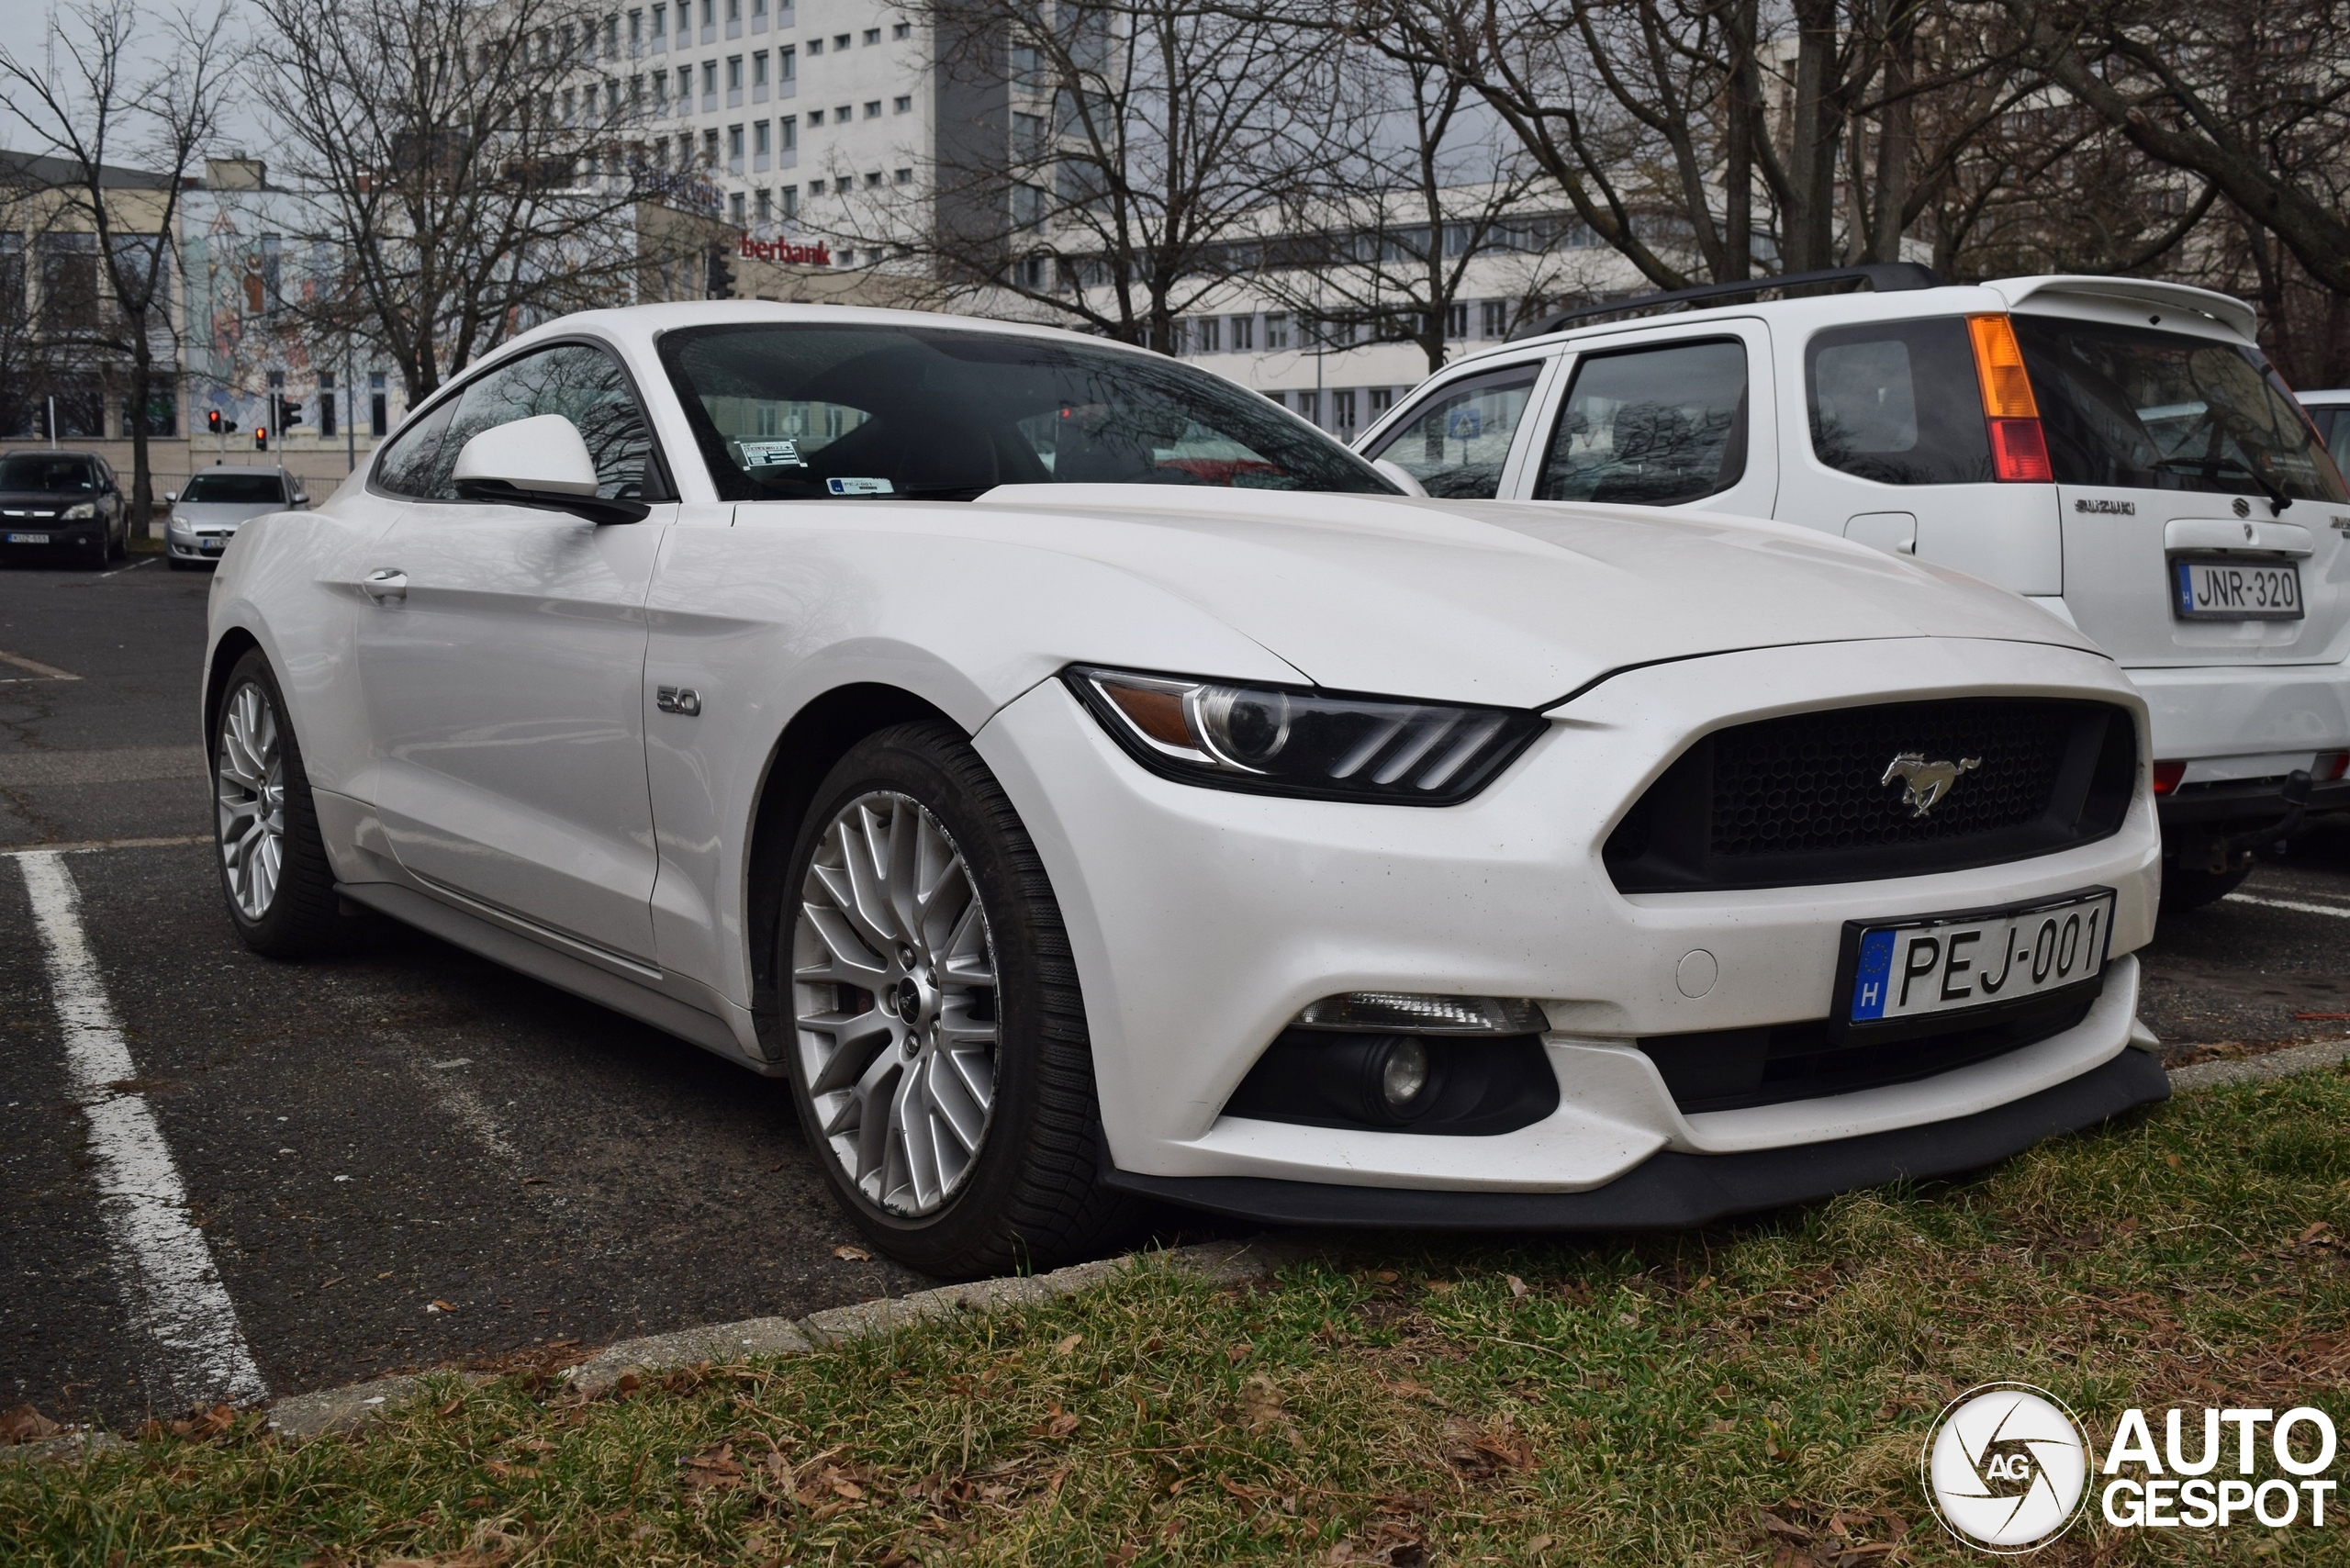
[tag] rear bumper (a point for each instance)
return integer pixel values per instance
(2243, 805)
(1672, 1189)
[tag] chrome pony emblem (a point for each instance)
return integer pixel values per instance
(1923, 783)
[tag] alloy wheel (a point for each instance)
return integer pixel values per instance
(249, 793)
(895, 1004)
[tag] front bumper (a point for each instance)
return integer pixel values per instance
(1672, 1189)
(186, 543)
(1203, 921)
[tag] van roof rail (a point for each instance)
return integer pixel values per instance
(1883, 277)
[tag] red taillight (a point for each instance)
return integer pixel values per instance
(2010, 412)
(2329, 765)
(2168, 775)
(2019, 452)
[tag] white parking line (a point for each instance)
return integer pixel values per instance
(2288, 903)
(132, 567)
(193, 1351)
(35, 668)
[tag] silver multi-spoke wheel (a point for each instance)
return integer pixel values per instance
(249, 793)
(894, 1003)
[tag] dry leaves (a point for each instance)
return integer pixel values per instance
(1057, 1425)
(1480, 1455)
(852, 1254)
(26, 1425)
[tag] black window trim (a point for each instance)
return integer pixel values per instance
(1392, 424)
(658, 470)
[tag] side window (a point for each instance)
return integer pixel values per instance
(1897, 402)
(1455, 443)
(1654, 427)
(585, 386)
(406, 466)
(2335, 425)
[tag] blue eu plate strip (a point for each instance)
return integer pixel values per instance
(1870, 985)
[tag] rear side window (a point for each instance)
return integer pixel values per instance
(2332, 424)
(2155, 410)
(1455, 446)
(1897, 402)
(1653, 427)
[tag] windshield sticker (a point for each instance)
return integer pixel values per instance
(771, 454)
(858, 487)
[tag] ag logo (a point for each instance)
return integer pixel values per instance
(2006, 1467)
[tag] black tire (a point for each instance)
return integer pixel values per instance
(118, 547)
(1033, 1197)
(179, 566)
(2184, 889)
(301, 917)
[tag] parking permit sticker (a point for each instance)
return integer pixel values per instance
(771, 454)
(858, 487)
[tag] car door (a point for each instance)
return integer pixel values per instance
(1456, 436)
(1677, 417)
(502, 659)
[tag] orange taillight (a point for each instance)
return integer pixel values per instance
(2010, 413)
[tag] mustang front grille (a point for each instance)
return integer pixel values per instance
(1892, 790)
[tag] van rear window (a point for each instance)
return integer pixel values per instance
(1896, 402)
(2155, 410)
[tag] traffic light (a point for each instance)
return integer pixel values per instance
(212, 421)
(261, 438)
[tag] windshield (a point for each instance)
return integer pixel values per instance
(50, 476)
(2128, 406)
(234, 489)
(790, 412)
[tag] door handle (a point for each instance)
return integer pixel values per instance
(385, 584)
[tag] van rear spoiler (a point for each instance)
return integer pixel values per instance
(2226, 309)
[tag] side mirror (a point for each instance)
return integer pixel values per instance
(539, 462)
(1399, 475)
(170, 497)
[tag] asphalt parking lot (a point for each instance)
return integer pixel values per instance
(406, 1157)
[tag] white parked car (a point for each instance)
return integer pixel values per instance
(1088, 783)
(2117, 450)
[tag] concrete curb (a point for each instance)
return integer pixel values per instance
(2286, 1063)
(305, 1417)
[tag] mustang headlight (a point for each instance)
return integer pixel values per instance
(80, 512)
(1287, 741)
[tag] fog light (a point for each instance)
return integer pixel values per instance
(1402, 1074)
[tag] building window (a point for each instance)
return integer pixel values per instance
(1309, 405)
(759, 69)
(709, 13)
(903, 29)
(1277, 399)
(841, 115)
(1244, 334)
(685, 88)
(787, 64)
(1496, 317)
(759, 135)
(815, 116)
(710, 82)
(840, 42)
(1456, 321)
(379, 413)
(735, 147)
(904, 177)
(765, 205)
(790, 201)
(635, 28)
(1381, 399)
(815, 46)
(734, 208)
(791, 124)
(733, 73)
(1207, 335)
(873, 177)
(685, 151)
(709, 149)
(1276, 330)
(904, 104)
(734, 10)
(1342, 407)
(660, 24)
(873, 109)
(873, 35)
(815, 187)
(326, 403)
(661, 91)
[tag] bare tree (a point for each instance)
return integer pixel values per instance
(1112, 160)
(1388, 231)
(97, 115)
(472, 168)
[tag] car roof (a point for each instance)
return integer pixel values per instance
(240, 468)
(1998, 295)
(51, 452)
(2331, 397)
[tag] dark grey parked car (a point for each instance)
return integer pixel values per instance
(57, 503)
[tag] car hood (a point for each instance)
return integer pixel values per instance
(222, 514)
(1516, 603)
(44, 502)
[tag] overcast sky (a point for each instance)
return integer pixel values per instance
(24, 32)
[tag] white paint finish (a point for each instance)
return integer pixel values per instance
(2217, 711)
(506, 712)
(2293, 904)
(1895, 532)
(193, 1350)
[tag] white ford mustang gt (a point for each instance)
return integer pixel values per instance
(1089, 784)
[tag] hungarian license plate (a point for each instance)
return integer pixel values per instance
(1950, 963)
(212, 546)
(2235, 590)
(29, 538)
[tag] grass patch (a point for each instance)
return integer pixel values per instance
(1751, 1393)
